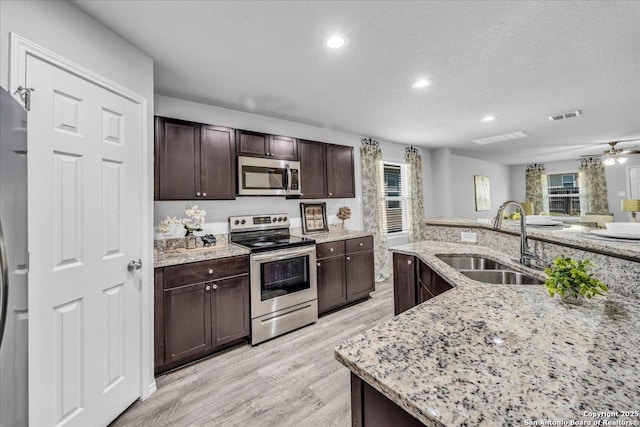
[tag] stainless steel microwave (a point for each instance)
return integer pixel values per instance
(268, 177)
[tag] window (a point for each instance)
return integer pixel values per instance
(563, 193)
(395, 195)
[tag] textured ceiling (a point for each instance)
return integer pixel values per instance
(520, 61)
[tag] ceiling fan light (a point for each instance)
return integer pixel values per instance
(621, 160)
(609, 161)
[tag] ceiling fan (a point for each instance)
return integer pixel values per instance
(614, 155)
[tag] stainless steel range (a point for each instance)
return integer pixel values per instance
(284, 293)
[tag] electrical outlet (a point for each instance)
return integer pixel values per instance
(466, 237)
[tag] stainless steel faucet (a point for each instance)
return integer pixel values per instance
(525, 256)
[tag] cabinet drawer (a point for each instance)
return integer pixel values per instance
(185, 274)
(360, 244)
(324, 250)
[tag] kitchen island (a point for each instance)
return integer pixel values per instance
(487, 355)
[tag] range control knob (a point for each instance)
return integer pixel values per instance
(285, 218)
(237, 222)
(280, 219)
(243, 222)
(274, 219)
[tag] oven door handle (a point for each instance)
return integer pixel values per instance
(280, 255)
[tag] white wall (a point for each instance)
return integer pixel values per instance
(66, 30)
(454, 187)
(219, 211)
(616, 176)
(463, 186)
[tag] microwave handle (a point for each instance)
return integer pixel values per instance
(287, 179)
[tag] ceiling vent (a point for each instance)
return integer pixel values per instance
(565, 115)
(500, 138)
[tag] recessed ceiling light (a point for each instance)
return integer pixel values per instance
(489, 119)
(420, 83)
(336, 41)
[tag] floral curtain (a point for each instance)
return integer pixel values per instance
(373, 204)
(536, 187)
(415, 201)
(593, 186)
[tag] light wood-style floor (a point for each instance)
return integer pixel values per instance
(292, 380)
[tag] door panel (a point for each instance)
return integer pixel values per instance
(217, 163)
(312, 165)
(252, 144)
(187, 316)
(340, 180)
(178, 166)
(332, 286)
(283, 147)
(360, 280)
(404, 282)
(84, 185)
(230, 309)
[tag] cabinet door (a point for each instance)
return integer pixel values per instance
(187, 321)
(404, 282)
(332, 287)
(158, 317)
(177, 162)
(283, 147)
(360, 277)
(312, 165)
(252, 143)
(230, 309)
(217, 163)
(340, 180)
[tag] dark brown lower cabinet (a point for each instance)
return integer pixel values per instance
(345, 272)
(332, 286)
(193, 320)
(370, 408)
(414, 282)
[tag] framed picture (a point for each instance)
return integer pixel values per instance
(483, 193)
(314, 217)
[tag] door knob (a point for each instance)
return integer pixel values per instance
(214, 287)
(198, 194)
(210, 271)
(361, 244)
(204, 194)
(134, 265)
(207, 288)
(330, 249)
(348, 258)
(409, 262)
(318, 264)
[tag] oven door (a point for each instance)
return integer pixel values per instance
(283, 278)
(267, 177)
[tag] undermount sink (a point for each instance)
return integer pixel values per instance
(464, 262)
(503, 277)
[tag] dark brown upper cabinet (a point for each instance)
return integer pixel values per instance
(327, 171)
(255, 144)
(313, 178)
(340, 172)
(193, 161)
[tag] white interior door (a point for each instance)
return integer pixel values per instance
(84, 228)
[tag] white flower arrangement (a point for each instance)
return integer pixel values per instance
(165, 225)
(194, 220)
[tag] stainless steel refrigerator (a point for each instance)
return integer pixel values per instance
(14, 263)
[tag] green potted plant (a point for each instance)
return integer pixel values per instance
(571, 280)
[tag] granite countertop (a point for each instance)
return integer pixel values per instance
(174, 257)
(575, 235)
(331, 235)
(486, 355)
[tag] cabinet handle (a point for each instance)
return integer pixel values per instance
(360, 244)
(207, 288)
(204, 194)
(211, 271)
(318, 264)
(330, 249)
(198, 194)
(215, 287)
(331, 194)
(409, 262)
(348, 258)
